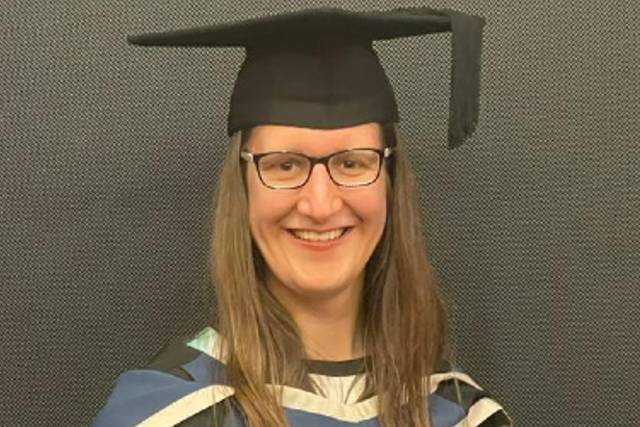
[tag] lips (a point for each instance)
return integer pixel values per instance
(319, 236)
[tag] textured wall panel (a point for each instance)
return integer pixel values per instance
(109, 155)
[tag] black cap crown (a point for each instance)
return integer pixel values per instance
(317, 67)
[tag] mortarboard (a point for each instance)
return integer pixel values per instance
(317, 67)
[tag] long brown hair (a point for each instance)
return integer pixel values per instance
(402, 316)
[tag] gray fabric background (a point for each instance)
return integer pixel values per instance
(108, 159)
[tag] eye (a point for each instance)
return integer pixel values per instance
(288, 162)
(351, 163)
(355, 160)
(286, 165)
(282, 162)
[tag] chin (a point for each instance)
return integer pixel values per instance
(321, 284)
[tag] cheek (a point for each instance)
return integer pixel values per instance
(371, 207)
(266, 209)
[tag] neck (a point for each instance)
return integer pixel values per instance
(329, 325)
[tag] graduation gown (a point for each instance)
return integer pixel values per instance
(185, 385)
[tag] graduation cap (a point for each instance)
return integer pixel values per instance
(317, 67)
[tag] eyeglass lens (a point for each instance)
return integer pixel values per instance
(349, 168)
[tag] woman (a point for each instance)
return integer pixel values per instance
(328, 311)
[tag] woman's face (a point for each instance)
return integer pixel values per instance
(286, 224)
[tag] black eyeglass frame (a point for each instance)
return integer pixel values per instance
(383, 154)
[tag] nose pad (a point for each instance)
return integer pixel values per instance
(320, 197)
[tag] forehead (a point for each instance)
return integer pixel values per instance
(314, 141)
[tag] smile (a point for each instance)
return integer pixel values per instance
(319, 236)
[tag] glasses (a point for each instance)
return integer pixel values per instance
(356, 167)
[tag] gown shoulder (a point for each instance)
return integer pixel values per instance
(181, 386)
(475, 406)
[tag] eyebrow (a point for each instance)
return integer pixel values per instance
(285, 150)
(298, 147)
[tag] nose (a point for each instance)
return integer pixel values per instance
(320, 197)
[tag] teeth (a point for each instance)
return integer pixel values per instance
(315, 236)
